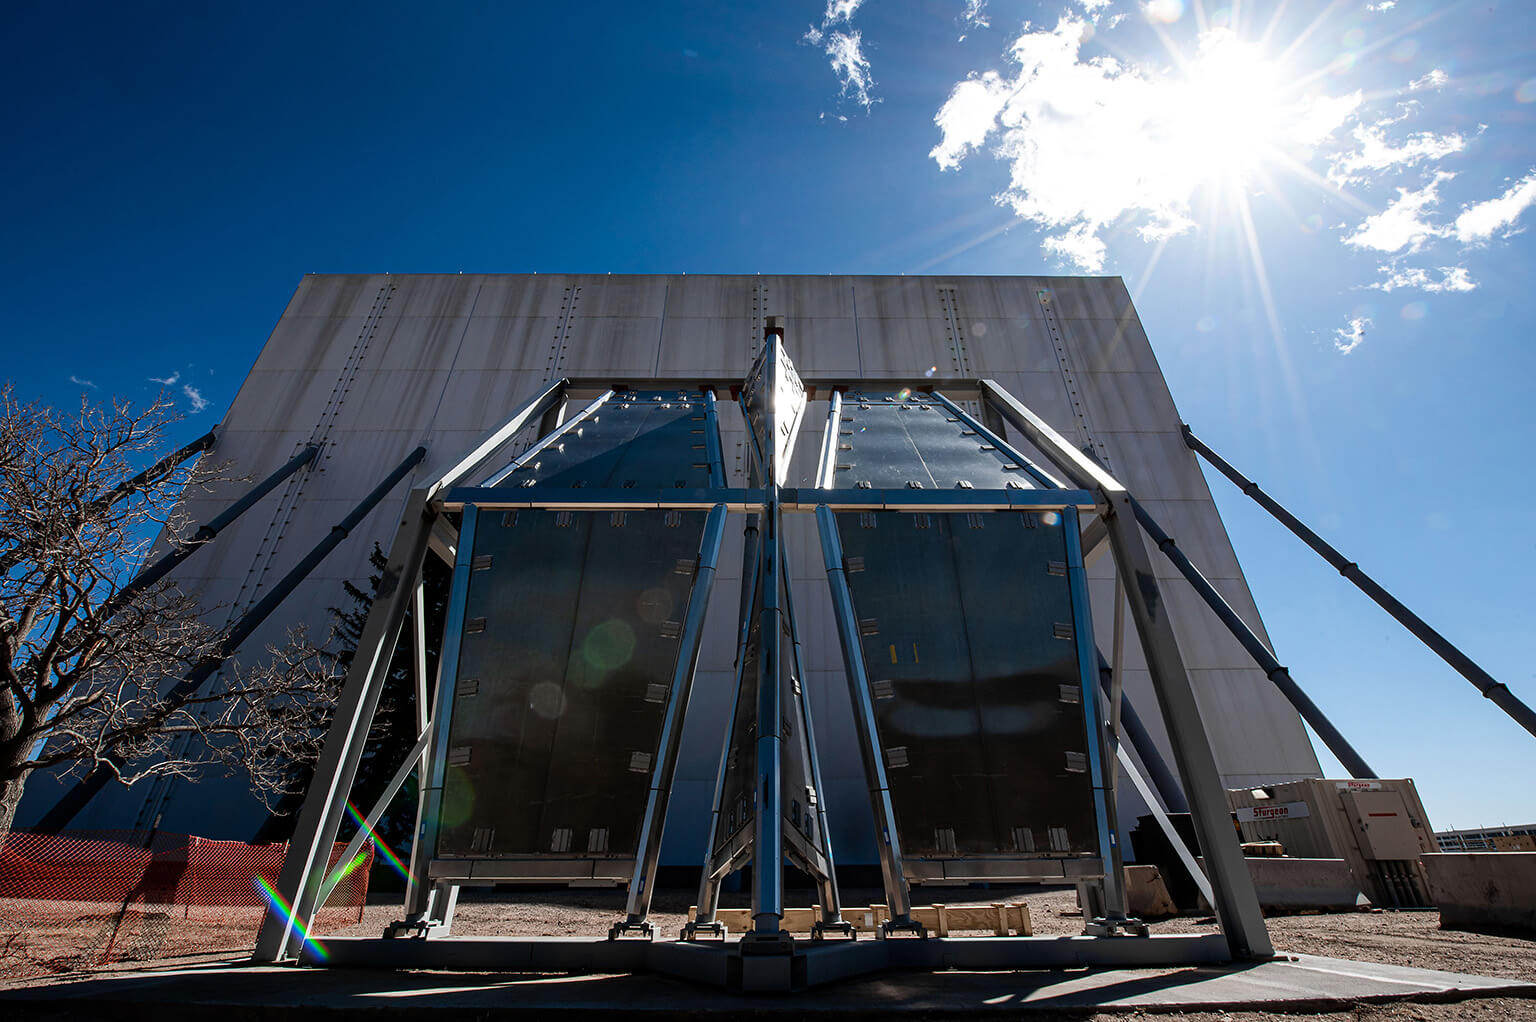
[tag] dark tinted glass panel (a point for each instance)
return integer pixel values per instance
(644, 439)
(571, 637)
(892, 442)
(968, 636)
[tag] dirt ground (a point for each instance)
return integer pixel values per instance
(49, 953)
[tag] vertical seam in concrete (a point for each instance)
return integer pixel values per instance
(666, 293)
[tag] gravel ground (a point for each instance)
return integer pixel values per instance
(1394, 938)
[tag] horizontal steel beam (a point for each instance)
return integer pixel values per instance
(937, 500)
(819, 386)
(564, 498)
(559, 498)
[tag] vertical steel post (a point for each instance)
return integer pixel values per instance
(1098, 762)
(1116, 673)
(712, 441)
(324, 805)
(768, 819)
(1237, 904)
(648, 850)
(709, 880)
(420, 892)
(831, 899)
(826, 468)
(418, 861)
(897, 893)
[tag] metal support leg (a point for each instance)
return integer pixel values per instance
(897, 893)
(768, 817)
(1166, 825)
(709, 880)
(418, 861)
(319, 820)
(1110, 917)
(643, 883)
(367, 823)
(1237, 904)
(421, 905)
(826, 879)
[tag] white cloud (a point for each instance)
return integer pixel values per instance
(1381, 7)
(1401, 225)
(975, 15)
(840, 11)
(169, 381)
(1092, 142)
(195, 396)
(77, 381)
(844, 50)
(1483, 220)
(1347, 338)
(1452, 279)
(1375, 153)
(1080, 245)
(1321, 116)
(850, 66)
(1433, 80)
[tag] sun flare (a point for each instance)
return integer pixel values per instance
(1232, 111)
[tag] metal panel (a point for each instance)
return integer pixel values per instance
(968, 637)
(570, 641)
(908, 441)
(636, 440)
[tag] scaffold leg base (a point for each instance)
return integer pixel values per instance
(632, 928)
(841, 926)
(1125, 926)
(694, 928)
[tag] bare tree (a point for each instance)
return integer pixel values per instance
(89, 665)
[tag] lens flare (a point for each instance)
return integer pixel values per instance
(609, 645)
(378, 843)
(284, 910)
(903, 393)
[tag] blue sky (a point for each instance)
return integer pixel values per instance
(1323, 213)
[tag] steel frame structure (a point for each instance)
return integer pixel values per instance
(767, 958)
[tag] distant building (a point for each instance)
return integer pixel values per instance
(1489, 839)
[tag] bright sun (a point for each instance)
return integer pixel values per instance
(1233, 113)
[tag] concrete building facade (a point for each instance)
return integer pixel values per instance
(370, 366)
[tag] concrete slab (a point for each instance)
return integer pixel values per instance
(1484, 890)
(240, 991)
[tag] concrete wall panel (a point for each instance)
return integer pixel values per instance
(373, 364)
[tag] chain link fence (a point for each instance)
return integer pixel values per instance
(85, 899)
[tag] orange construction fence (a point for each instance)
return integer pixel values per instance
(83, 899)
